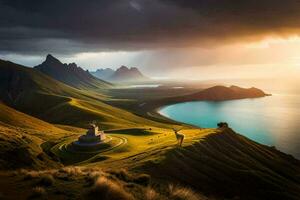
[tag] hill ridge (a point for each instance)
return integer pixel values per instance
(221, 93)
(230, 166)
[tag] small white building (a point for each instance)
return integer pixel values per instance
(92, 136)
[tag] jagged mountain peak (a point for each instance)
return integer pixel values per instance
(123, 68)
(51, 60)
(49, 56)
(70, 74)
(125, 74)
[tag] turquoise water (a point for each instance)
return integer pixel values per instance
(273, 120)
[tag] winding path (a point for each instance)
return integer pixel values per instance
(63, 147)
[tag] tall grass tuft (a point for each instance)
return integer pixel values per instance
(183, 193)
(124, 175)
(105, 189)
(151, 194)
(92, 177)
(72, 171)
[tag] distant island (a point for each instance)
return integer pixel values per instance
(222, 93)
(122, 74)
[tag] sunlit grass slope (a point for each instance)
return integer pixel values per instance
(80, 112)
(11, 117)
(137, 145)
(229, 165)
(32, 91)
(21, 137)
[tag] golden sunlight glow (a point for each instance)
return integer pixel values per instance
(271, 41)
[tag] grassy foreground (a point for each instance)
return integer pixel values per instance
(212, 164)
(229, 165)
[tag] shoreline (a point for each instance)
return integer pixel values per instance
(266, 136)
(153, 107)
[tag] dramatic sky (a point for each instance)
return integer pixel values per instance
(195, 39)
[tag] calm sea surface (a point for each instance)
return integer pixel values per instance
(273, 120)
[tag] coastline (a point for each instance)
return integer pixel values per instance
(152, 108)
(251, 118)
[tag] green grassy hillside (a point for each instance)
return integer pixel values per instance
(11, 117)
(230, 166)
(21, 148)
(26, 88)
(21, 137)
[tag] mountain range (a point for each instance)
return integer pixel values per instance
(103, 73)
(70, 74)
(122, 74)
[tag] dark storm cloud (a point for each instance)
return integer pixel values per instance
(69, 26)
(260, 14)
